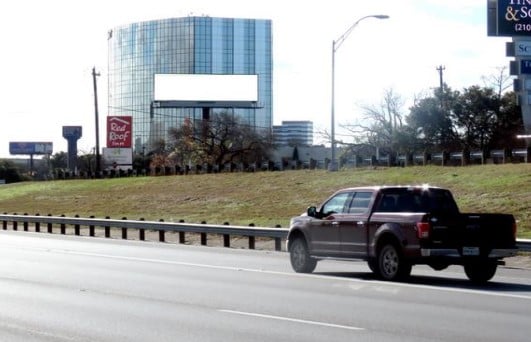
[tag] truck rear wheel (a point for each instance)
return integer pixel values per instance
(300, 258)
(391, 265)
(481, 271)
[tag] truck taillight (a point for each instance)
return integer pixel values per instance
(423, 230)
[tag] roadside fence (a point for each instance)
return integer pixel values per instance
(46, 224)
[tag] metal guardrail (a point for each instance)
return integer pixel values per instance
(278, 234)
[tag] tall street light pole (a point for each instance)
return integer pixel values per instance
(98, 156)
(335, 46)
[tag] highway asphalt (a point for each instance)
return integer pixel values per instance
(66, 288)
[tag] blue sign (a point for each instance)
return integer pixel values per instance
(30, 147)
(513, 18)
(525, 66)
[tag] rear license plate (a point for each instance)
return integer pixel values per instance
(470, 251)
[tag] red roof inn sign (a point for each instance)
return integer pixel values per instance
(509, 18)
(119, 131)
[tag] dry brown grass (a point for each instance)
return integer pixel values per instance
(263, 198)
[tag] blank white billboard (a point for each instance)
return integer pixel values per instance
(206, 88)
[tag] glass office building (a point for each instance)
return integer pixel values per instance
(189, 45)
(296, 133)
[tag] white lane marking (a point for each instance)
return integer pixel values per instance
(289, 274)
(287, 319)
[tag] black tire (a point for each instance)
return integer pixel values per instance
(480, 272)
(300, 259)
(391, 265)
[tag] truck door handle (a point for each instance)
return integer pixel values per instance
(335, 223)
(360, 223)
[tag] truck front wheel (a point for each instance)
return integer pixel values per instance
(481, 271)
(300, 258)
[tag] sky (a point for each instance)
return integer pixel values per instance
(49, 49)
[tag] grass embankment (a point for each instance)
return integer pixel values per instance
(264, 198)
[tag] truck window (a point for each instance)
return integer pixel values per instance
(441, 201)
(336, 204)
(417, 200)
(360, 203)
(387, 203)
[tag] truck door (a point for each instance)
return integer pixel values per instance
(324, 232)
(353, 232)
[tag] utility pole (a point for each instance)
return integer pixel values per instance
(440, 69)
(98, 156)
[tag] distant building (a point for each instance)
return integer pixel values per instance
(190, 45)
(293, 133)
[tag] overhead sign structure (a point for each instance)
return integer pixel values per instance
(31, 148)
(206, 90)
(509, 18)
(119, 131)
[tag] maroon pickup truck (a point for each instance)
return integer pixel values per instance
(396, 227)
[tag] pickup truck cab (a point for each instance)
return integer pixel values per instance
(396, 227)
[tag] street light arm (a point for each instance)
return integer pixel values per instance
(335, 45)
(338, 42)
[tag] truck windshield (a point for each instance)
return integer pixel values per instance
(417, 200)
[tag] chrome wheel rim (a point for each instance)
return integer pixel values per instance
(298, 254)
(389, 263)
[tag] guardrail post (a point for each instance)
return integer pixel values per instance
(124, 230)
(141, 232)
(25, 223)
(252, 241)
(251, 238)
(278, 241)
(4, 223)
(63, 226)
(15, 223)
(37, 224)
(203, 236)
(91, 228)
(182, 235)
(278, 244)
(50, 230)
(161, 233)
(77, 229)
(107, 228)
(226, 237)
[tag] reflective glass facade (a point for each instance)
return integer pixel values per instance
(298, 133)
(190, 45)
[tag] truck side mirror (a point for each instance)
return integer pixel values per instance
(312, 211)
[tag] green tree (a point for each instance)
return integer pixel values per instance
(430, 122)
(9, 172)
(59, 160)
(475, 115)
(509, 124)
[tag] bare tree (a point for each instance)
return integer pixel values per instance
(499, 82)
(222, 139)
(380, 124)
